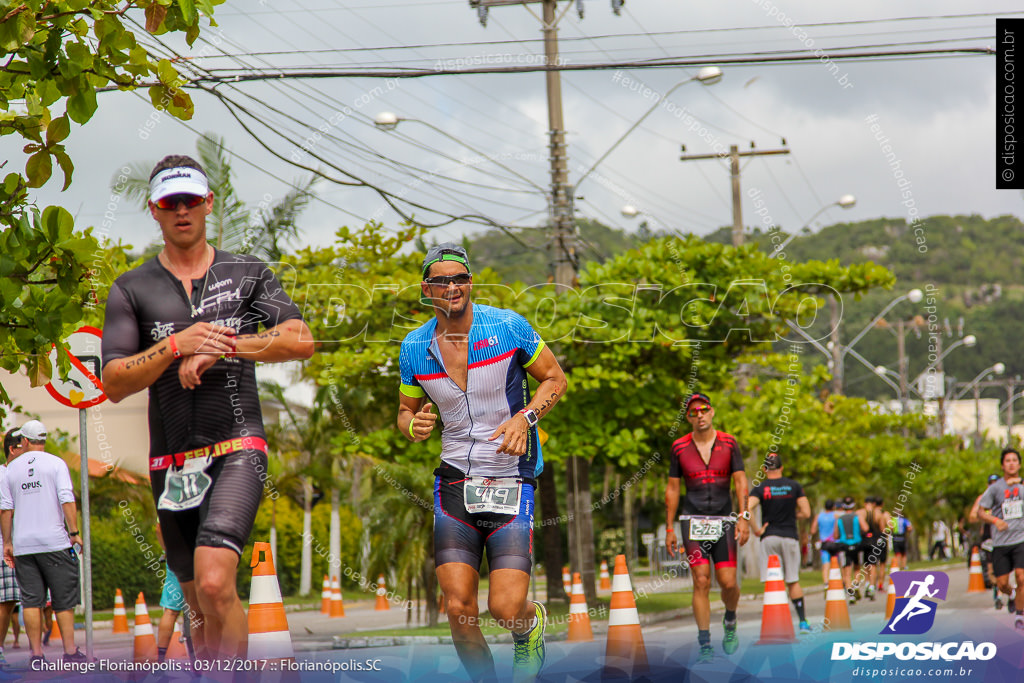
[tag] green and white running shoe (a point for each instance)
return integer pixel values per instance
(528, 649)
(730, 643)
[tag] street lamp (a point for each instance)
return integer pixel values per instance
(847, 201)
(970, 341)
(839, 351)
(709, 75)
(995, 368)
(388, 121)
(1008, 405)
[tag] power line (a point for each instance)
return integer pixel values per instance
(690, 62)
(609, 36)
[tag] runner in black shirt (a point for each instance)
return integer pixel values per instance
(783, 502)
(186, 325)
(709, 461)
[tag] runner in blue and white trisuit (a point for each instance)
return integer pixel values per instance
(1002, 506)
(472, 361)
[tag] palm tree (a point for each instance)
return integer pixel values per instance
(399, 528)
(265, 232)
(303, 440)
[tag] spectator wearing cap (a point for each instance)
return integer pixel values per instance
(36, 500)
(9, 593)
(783, 502)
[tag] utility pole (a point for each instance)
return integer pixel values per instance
(563, 242)
(560, 202)
(563, 223)
(734, 175)
(1009, 384)
(837, 347)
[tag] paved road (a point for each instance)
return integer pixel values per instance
(670, 645)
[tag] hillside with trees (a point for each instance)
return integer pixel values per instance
(973, 264)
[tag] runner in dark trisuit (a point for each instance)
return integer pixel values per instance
(472, 361)
(709, 461)
(186, 325)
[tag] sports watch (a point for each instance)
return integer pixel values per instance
(745, 515)
(530, 415)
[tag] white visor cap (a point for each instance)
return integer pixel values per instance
(182, 180)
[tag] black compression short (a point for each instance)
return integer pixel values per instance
(225, 517)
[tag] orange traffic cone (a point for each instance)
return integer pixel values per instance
(975, 580)
(120, 616)
(54, 631)
(382, 595)
(579, 619)
(566, 580)
(176, 649)
(145, 641)
(325, 596)
(268, 626)
(606, 580)
(776, 622)
(890, 598)
(625, 650)
(337, 607)
(837, 615)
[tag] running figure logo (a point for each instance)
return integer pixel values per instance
(914, 613)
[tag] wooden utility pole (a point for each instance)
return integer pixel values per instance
(563, 243)
(734, 175)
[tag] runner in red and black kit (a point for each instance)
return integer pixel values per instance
(186, 325)
(708, 461)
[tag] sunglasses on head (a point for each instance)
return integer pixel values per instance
(697, 412)
(445, 280)
(171, 201)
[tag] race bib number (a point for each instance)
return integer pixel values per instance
(500, 496)
(186, 487)
(705, 529)
(1013, 509)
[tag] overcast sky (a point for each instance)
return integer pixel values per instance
(936, 113)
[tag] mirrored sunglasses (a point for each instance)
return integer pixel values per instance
(171, 201)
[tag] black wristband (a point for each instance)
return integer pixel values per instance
(72, 533)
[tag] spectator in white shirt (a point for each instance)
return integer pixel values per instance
(36, 499)
(9, 593)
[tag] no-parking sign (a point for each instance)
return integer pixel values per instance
(83, 388)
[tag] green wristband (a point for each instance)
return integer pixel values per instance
(411, 435)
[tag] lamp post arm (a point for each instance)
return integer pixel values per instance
(810, 220)
(813, 342)
(847, 348)
(970, 385)
(632, 128)
(864, 361)
(958, 342)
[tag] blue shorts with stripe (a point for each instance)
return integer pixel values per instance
(462, 536)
